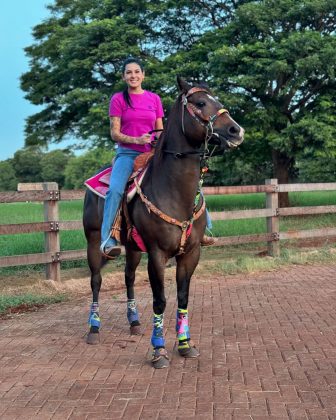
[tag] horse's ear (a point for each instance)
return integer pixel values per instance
(183, 85)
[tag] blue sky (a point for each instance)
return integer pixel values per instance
(17, 19)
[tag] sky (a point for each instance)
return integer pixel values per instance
(17, 18)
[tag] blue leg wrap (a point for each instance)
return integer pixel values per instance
(132, 312)
(157, 335)
(94, 319)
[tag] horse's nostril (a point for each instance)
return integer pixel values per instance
(233, 129)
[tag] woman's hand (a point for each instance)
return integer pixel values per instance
(144, 139)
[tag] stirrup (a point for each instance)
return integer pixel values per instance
(111, 252)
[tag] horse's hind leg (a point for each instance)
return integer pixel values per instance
(95, 262)
(156, 266)
(186, 265)
(132, 261)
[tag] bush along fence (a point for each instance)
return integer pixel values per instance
(51, 195)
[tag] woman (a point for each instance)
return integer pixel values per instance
(133, 113)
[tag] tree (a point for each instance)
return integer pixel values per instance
(8, 180)
(270, 61)
(53, 165)
(76, 59)
(73, 68)
(27, 164)
(276, 60)
(82, 167)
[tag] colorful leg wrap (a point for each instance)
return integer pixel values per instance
(157, 335)
(182, 328)
(94, 319)
(132, 312)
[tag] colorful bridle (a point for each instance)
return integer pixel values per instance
(196, 113)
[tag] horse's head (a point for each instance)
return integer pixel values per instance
(205, 120)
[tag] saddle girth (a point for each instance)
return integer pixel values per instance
(185, 225)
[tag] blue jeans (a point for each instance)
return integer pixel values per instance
(121, 171)
(208, 220)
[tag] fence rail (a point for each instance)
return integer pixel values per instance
(49, 194)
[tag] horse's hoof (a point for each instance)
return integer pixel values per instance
(135, 330)
(92, 338)
(189, 352)
(160, 358)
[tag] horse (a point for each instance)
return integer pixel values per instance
(168, 213)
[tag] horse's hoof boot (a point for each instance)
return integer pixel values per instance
(160, 358)
(189, 352)
(92, 338)
(135, 330)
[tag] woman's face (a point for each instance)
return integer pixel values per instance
(133, 75)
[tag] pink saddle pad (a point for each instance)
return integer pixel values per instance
(100, 182)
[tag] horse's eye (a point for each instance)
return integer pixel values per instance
(200, 104)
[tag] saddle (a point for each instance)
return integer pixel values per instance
(99, 185)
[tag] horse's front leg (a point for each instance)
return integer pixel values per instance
(95, 263)
(156, 266)
(186, 265)
(132, 261)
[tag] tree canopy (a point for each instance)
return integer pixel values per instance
(271, 62)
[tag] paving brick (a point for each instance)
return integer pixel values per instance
(267, 345)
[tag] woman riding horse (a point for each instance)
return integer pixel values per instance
(168, 213)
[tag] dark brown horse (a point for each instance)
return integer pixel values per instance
(168, 212)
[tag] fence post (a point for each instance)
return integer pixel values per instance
(272, 203)
(51, 238)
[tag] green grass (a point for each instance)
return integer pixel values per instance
(257, 201)
(27, 301)
(72, 210)
(243, 261)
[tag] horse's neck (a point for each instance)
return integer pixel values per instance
(176, 178)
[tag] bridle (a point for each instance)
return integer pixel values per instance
(205, 121)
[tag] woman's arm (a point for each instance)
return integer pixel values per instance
(158, 124)
(116, 135)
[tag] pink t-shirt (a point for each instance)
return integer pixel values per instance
(138, 119)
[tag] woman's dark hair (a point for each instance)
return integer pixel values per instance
(123, 68)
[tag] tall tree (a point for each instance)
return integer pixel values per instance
(271, 62)
(276, 60)
(76, 58)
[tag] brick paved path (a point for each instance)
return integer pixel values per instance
(267, 341)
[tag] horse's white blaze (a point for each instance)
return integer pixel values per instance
(212, 98)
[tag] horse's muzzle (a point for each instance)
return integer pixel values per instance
(227, 141)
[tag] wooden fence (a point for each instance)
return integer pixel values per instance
(50, 195)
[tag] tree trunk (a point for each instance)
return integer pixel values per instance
(281, 166)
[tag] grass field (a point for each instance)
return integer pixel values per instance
(23, 288)
(72, 210)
